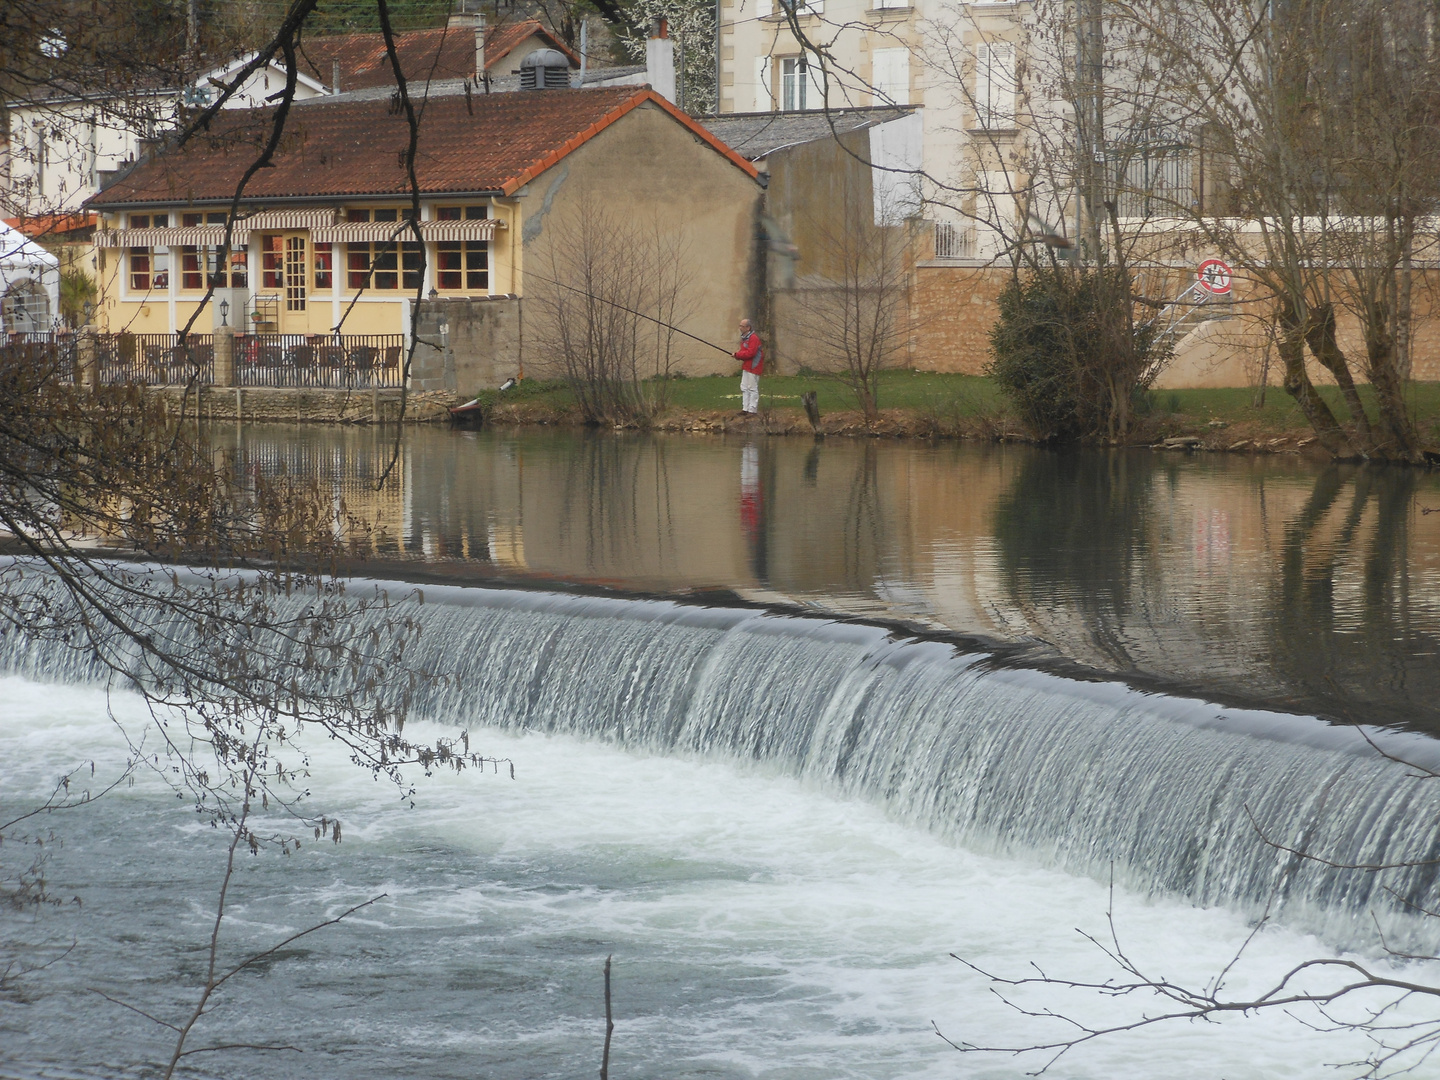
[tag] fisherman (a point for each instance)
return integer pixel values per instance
(751, 355)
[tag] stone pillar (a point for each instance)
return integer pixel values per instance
(224, 356)
(87, 360)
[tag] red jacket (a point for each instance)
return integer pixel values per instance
(751, 354)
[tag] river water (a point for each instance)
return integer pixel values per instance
(1310, 587)
(781, 821)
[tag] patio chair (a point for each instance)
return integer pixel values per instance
(392, 361)
(362, 362)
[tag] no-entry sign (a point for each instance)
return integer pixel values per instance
(1214, 276)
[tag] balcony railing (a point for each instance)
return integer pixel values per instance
(954, 241)
(348, 361)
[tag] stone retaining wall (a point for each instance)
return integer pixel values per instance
(269, 405)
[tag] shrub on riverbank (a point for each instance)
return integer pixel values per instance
(1067, 352)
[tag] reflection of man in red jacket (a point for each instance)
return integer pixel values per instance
(751, 355)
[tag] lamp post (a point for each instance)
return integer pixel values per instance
(434, 294)
(89, 309)
(224, 312)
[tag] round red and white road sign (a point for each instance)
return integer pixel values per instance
(1214, 276)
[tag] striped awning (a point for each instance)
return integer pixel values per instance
(382, 232)
(198, 235)
(274, 220)
(321, 224)
(361, 232)
(483, 229)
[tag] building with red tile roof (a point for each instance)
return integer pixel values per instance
(323, 239)
(448, 52)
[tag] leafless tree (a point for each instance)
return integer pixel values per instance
(610, 297)
(854, 299)
(1317, 125)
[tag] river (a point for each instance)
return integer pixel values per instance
(792, 722)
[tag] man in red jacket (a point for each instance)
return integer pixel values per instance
(751, 355)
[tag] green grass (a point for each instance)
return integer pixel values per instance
(956, 397)
(969, 394)
(1279, 411)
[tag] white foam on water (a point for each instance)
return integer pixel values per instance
(760, 928)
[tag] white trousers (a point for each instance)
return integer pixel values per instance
(749, 391)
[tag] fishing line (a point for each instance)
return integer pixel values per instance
(632, 311)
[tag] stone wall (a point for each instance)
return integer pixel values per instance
(467, 345)
(254, 404)
(953, 308)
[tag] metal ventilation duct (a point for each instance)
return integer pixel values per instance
(545, 69)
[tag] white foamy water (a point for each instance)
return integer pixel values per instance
(760, 928)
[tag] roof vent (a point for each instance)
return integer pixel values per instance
(545, 69)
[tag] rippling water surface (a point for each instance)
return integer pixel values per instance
(1311, 586)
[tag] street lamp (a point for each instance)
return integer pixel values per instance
(89, 309)
(224, 311)
(434, 294)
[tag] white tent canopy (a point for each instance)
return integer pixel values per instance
(29, 284)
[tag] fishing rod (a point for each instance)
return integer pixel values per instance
(632, 311)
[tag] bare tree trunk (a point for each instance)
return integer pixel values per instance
(1291, 347)
(1320, 335)
(1401, 442)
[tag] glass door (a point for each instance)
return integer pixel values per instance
(296, 282)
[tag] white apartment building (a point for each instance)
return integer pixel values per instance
(958, 62)
(59, 148)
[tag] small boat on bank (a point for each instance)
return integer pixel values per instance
(470, 413)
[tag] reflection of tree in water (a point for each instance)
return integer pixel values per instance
(615, 490)
(1070, 531)
(1361, 652)
(1336, 626)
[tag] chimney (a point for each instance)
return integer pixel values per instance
(660, 60)
(335, 76)
(466, 13)
(479, 49)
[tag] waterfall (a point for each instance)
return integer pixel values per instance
(1097, 778)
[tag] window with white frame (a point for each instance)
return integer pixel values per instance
(880, 5)
(800, 85)
(995, 85)
(462, 265)
(890, 76)
(149, 267)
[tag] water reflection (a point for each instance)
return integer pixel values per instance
(1311, 586)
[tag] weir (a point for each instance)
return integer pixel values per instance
(1167, 794)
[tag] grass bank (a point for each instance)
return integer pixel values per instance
(931, 405)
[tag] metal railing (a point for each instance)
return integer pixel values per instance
(343, 362)
(359, 361)
(954, 241)
(155, 359)
(54, 351)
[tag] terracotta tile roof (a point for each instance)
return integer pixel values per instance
(443, 53)
(335, 148)
(58, 225)
(500, 40)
